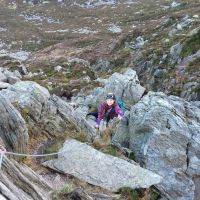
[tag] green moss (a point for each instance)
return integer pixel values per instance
(131, 156)
(85, 43)
(82, 137)
(128, 193)
(123, 55)
(25, 114)
(63, 192)
(193, 66)
(191, 45)
(111, 150)
(196, 90)
(97, 145)
(154, 194)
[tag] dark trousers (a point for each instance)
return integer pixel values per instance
(106, 116)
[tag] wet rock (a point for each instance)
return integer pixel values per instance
(100, 169)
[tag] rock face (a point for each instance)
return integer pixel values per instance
(7, 77)
(125, 86)
(191, 91)
(164, 133)
(13, 130)
(44, 113)
(100, 169)
(18, 182)
(76, 117)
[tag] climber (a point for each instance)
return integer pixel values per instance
(108, 110)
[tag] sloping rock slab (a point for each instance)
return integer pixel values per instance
(44, 113)
(18, 182)
(94, 167)
(125, 86)
(164, 134)
(13, 130)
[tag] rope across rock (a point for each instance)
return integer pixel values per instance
(3, 152)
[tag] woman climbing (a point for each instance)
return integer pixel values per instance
(108, 110)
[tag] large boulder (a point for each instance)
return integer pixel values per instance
(3, 78)
(100, 169)
(74, 116)
(44, 113)
(13, 130)
(18, 182)
(125, 86)
(164, 133)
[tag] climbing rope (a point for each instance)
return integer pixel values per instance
(3, 152)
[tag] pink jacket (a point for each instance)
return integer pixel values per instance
(104, 108)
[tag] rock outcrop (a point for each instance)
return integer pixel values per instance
(18, 182)
(164, 133)
(125, 86)
(45, 113)
(99, 169)
(13, 130)
(8, 78)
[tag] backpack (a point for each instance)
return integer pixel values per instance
(120, 103)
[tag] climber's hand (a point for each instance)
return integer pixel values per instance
(96, 126)
(119, 117)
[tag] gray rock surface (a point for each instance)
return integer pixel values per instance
(175, 52)
(4, 85)
(8, 73)
(126, 86)
(18, 182)
(191, 91)
(121, 136)
(3, 78)
(13, 79)
(44, 113)
(102, 65)
(99, 169)
(76, 117)
(164, 133)
(13, 130)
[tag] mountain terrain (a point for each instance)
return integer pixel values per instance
(58, 60)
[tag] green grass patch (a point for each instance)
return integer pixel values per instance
(128, 193)
(85, 43)
(154, 194)
(191, 45)
(110, 150)
(63, 192)
(193, 66)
